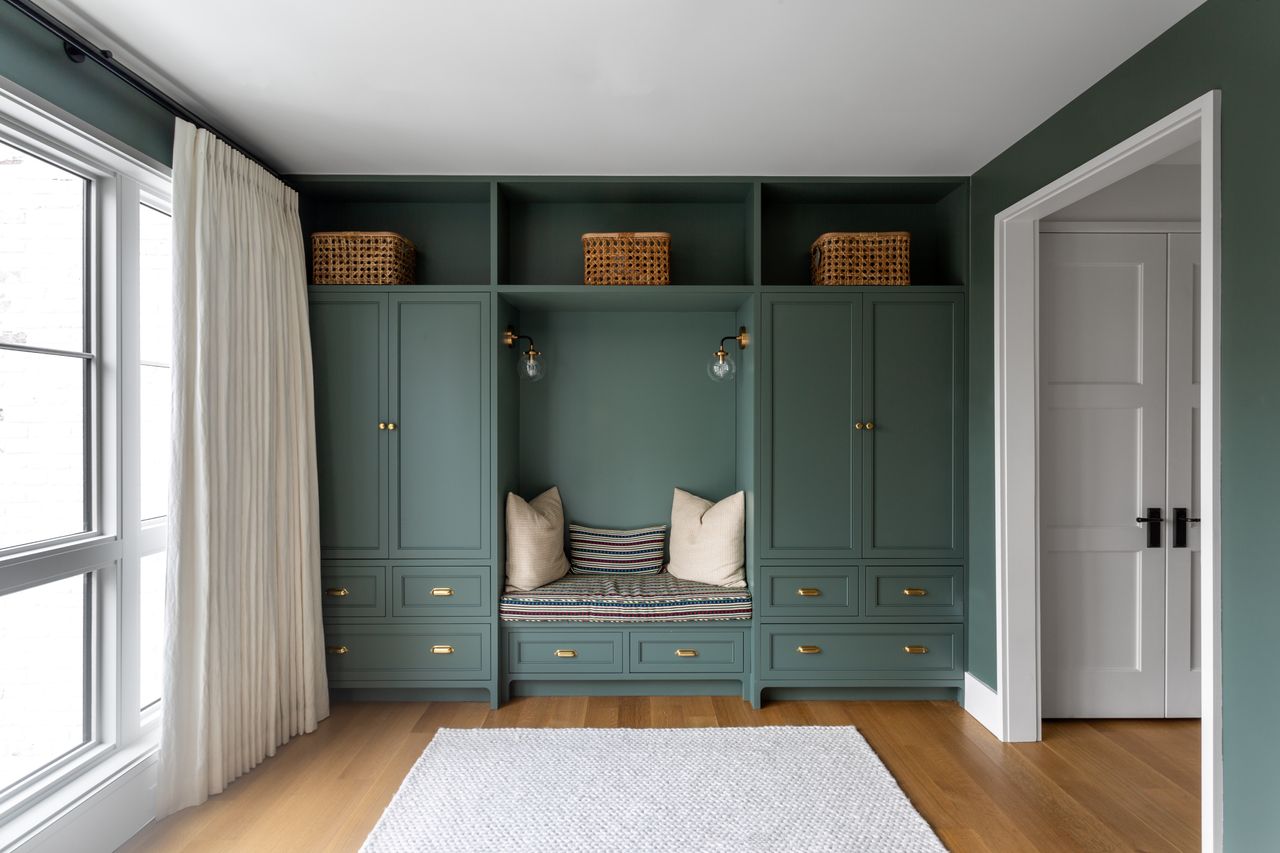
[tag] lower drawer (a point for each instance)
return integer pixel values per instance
(703, 652)
(408, 653)
(353, 589)
(434, 591)
(852, 652)
(564, 651)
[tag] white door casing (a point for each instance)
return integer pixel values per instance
(1102, 464)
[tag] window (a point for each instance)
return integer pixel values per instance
(85, 285)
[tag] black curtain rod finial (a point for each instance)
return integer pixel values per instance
(73, 53)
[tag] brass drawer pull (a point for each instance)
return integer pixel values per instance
(442, 650)
(442, 591)
(382, 424)
(337, 650)
(915, 592)
(916, 650)
(566, 653)
(808, 592)
(392, 426)
(337, 592)
(686, 653)
(859, 425)
(809, 650)
(871, 424)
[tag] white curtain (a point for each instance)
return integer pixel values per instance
(244, 648)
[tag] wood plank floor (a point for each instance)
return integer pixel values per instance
(1090, 785)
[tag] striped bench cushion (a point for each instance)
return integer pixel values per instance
(593, 551)
(629, 598)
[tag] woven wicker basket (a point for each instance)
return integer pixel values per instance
(361, 257)
(861, 257)
(627, 257)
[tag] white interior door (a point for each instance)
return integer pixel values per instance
(1182, 644)
(1102, 464)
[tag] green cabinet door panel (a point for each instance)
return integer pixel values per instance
(811, 385)
(440, 450)
(853, 652)
(564, 651)
(913, 394)
(441, 591)
(703, 651)
(913, 591)
(351, 588)
(349, 357)
(809, 592)
(406, 653)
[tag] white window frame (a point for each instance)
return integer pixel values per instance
(124, 736)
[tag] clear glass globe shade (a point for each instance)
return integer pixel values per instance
(532, 368)
(721, 368)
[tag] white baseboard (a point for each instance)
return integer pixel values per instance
(983, 704)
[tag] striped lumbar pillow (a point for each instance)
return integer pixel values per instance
(593, 551)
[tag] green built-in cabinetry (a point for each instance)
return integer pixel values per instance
(404, 424)
(861, 495)
(855, 547)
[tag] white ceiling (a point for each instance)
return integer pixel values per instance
(676, 87)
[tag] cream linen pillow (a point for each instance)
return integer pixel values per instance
(535, 540)
(707, 539)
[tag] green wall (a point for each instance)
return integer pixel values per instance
(32, 58)
(1234, 46)
(626, 413)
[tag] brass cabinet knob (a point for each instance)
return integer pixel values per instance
(337, 592)
(442, 650)
(915, 592)
(566, 653)
(870, 425)
(337, 650)
(809, 650)
(808, 592)
(440, 591)
(382, 424)
(916, 650)
(686, 653)
(859, 425)
(391, 426)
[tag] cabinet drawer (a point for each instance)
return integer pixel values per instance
(431, 591)
(407, 652)
(704, 652)
(804, 591)
(564, 651)
(914, 591)
(854, 652)
(353, 589)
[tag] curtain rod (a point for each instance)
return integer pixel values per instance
(78, 49)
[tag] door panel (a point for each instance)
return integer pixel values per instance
(1102, 451)
(811, 469)
(349, 359)
(1182, 687)
(440, 448)
(913, 398)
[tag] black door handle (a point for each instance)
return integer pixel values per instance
(1180, 521)
(1153, 519)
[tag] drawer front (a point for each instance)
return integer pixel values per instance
(819, 593)
(854, 652)
(914, 590)
(705, 652)
(564, 651)
(353, 589)
(430, 591)
(408, 653)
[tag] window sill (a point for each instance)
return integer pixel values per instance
(103, 779)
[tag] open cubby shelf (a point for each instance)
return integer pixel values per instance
(521, 236)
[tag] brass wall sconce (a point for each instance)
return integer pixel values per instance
(721, 367)
(532, 364)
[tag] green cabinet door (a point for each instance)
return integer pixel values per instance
(913, 395)
(441, 392)
(349, 359)
(810, 473)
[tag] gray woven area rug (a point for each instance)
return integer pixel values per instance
(801, 789)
